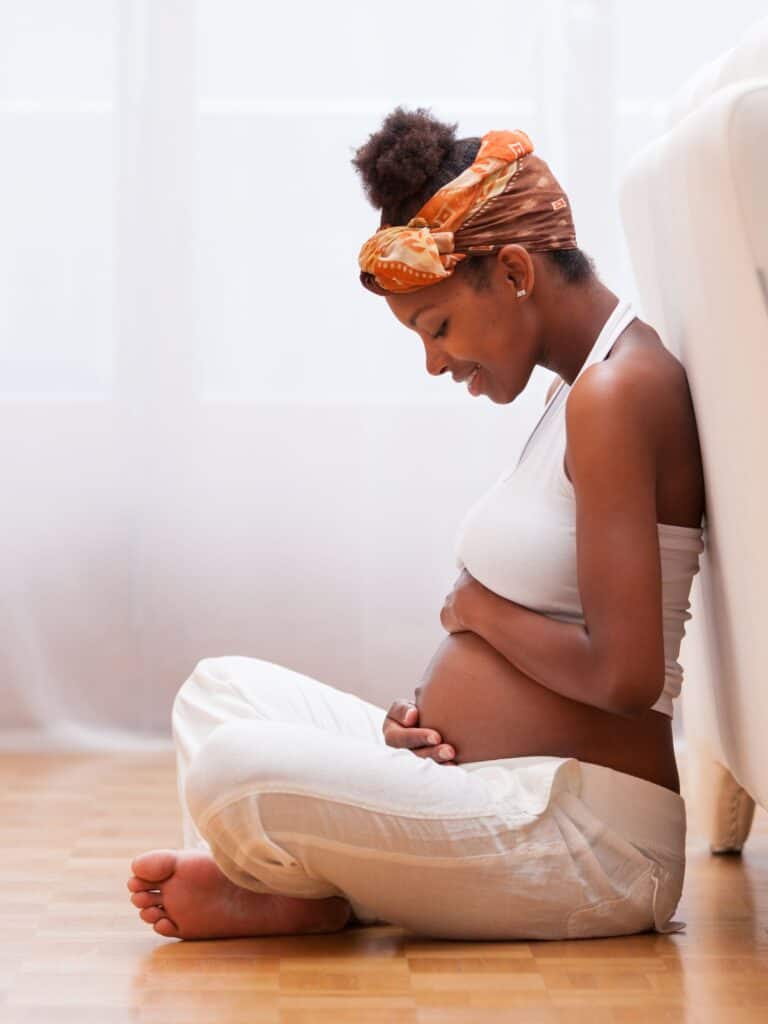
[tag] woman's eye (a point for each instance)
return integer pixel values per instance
(441, 331)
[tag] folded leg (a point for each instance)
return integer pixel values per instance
(426, 846)
(234, 688)
(290, 785)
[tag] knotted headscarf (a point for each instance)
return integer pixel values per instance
(506, 195)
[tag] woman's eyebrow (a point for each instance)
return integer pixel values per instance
(418, 313)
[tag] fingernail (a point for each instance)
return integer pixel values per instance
(444, 753)
(432, 738)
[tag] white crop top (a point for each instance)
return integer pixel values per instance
(519, 538)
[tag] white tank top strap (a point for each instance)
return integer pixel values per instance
(620, 317)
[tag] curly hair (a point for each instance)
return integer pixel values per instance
(409, 158)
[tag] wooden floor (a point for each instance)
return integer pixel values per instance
(74, 948)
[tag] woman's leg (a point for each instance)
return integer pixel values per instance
(237, 688)
(290, 787)
(519, 848)
(220, 690)
(295, 792)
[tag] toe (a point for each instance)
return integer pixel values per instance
(140, 884)
(165, 926)
(147, 899)
(152, 914)
(155, 865)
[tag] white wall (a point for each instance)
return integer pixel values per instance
(213, 440)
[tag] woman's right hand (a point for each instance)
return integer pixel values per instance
(401, 730)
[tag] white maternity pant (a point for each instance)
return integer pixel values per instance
(290, 785)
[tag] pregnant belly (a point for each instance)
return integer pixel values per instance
(486, 708)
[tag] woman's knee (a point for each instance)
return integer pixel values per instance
(240, 755)
(217, 675)
(209, 672)
(202, 684)
(200, 676)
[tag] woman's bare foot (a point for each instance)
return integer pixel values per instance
(185, 895)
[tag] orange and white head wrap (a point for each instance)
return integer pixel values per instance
(506, 195)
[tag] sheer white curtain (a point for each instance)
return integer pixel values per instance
(214, 441)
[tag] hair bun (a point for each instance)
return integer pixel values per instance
(402, 156)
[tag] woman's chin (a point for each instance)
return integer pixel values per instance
(495, 395)
(510, 393)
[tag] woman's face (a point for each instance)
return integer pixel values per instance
(462, 328)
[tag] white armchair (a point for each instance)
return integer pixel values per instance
(694, 205)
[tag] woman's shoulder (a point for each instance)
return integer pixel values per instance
(642, 371)
(643, 388)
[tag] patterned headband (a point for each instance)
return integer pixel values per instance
(506, 195)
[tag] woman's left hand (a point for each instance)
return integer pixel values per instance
(454, 611)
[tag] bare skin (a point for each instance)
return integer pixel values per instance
(184, 894)
(470, 696)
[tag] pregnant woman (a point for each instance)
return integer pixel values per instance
(557, 812)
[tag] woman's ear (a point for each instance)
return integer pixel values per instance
(518, 267)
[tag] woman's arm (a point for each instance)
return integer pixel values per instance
(616, 660)
(556, 654)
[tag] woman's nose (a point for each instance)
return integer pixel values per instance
(435, 363)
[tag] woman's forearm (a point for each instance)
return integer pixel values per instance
(558, 655)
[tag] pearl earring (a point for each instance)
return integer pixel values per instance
(521, 291)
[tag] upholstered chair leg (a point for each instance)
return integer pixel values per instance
(724, 808)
